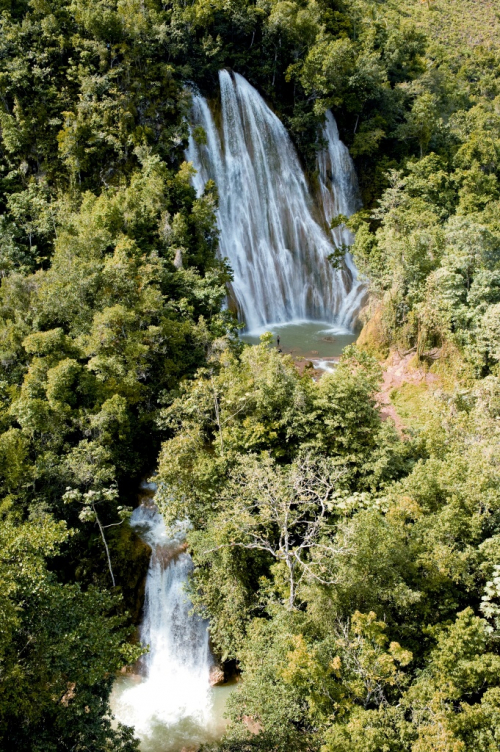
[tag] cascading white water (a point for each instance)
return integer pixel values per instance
(176, 670)
(339, 194)
(277, 249)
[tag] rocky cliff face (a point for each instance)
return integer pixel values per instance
(131, 559)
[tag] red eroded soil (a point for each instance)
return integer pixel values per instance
(398, 371)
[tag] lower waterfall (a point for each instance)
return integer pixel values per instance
(169, 701)
(271, 230)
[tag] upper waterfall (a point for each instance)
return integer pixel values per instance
(270, 229)
(339, 193)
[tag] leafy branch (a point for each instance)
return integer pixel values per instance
(89, 501)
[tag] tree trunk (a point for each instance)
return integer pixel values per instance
(106, 547)
(291, 569)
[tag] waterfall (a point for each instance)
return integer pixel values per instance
(175, 682)
(270, 229)
(339, 194)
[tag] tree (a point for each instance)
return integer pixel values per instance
(89, 500)
(282, 511)
(59, 648)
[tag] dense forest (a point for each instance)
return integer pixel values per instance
(349, 565)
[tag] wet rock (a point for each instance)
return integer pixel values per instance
(131, 561)
(216, 676)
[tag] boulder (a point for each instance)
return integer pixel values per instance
(216, 676)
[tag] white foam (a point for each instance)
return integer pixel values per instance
(276, 244)
(328, 366)
(277, 326)
(176, 670)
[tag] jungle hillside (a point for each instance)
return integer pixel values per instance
(345, 531)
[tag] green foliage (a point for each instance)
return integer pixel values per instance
(238, 426)
(89, 345)
(431, 247)
(341, 566)
(344, 576)
(58, 645)
(96, 324)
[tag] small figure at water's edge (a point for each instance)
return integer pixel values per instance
(278, 341)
